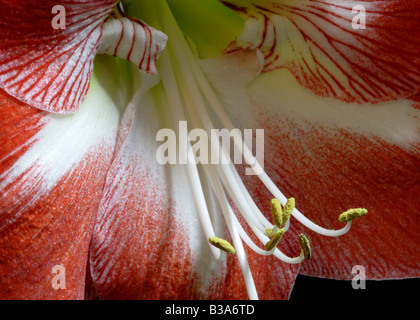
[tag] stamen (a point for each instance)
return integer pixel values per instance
(234, 232)
(219, 111)
(274, 240)
(237, 181)
(187, 88)
(305, 246)
(352, 214)
(276, 212)
(270, 232)
(175, 104)
(288, 208)
(222, 245)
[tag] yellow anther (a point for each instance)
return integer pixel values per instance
(305, 246)
(288, 208)
(352, 214)
(271, 232)
(222, 245)
(276, 212)
(274, 240)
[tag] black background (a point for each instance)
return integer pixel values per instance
(316, 289)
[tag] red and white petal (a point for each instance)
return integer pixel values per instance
(344, 156)
(363, 156)
(352, 170)
(145, 231)
(50, 68)
(320, 44)
(148, 242)
(53, 169)
(133, 40)
(45, 67)
(342, 167)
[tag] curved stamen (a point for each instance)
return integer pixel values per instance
(187, 88)
(305, 246)
(263, 238)
(250, 159)
(352, 214)
(239, 184)
(181, 51)
(274, 240)
(276, 212)
(229, 217)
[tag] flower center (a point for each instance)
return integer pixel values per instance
(191, 97)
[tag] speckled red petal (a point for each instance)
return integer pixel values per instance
(44, 222)
(353, 172)
(337, 169)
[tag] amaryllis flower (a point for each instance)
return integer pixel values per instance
(94, 203)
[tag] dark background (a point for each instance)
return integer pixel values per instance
(323, 290)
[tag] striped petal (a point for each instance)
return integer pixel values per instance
(52, 171)
(45, 67)
(49, 67)
(132, 40)
(354, 51)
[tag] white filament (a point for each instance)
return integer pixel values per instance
(174, 100)
(188, 88)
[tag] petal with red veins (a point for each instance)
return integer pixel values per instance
(132, 40)
(317, 42)
(53, 169)
(45, 67)
(50, 68)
